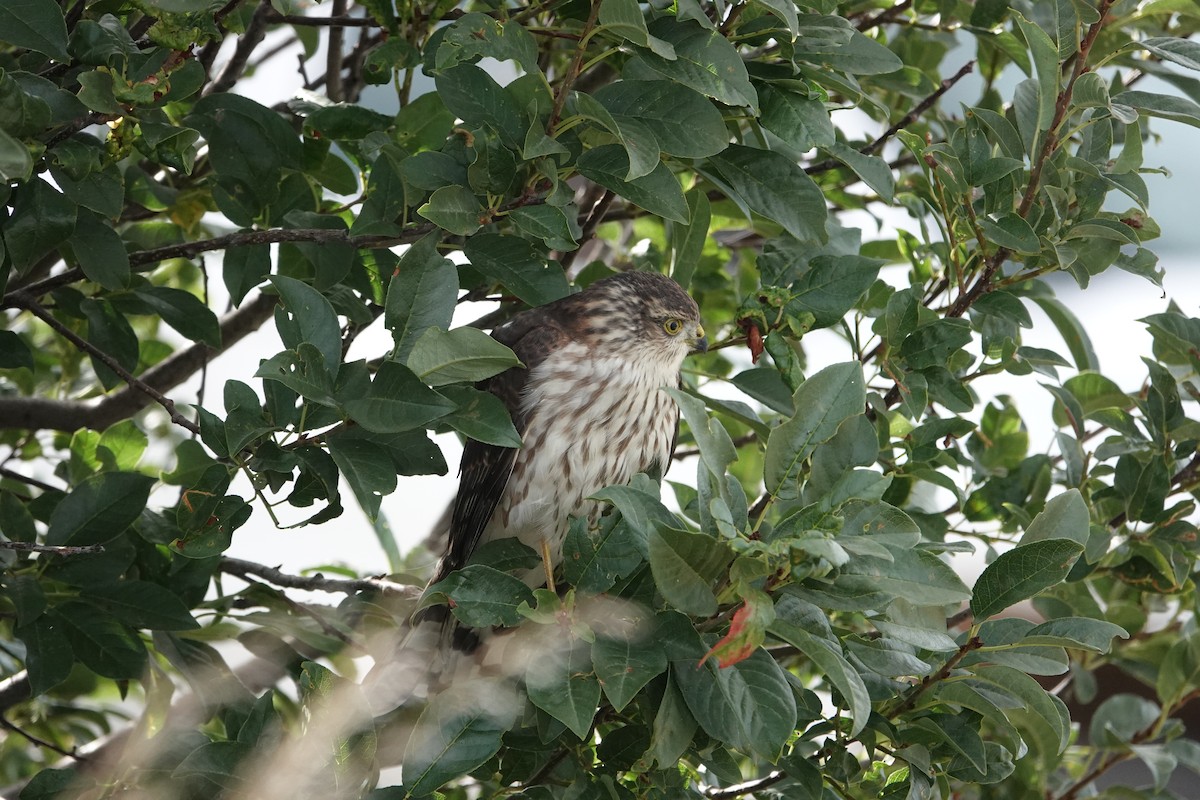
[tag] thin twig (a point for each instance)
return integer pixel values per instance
(41, 742)
(58, 550)
(749, 787)
(564, 88)
(5, 472)
(333, 57)
(908, 119)
(316, 583)
(885, 16)
(43, 413)
(910, 700)
(26, 301)
(324, 22)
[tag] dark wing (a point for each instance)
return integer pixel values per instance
(485, 468)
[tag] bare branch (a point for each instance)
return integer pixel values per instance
(39, 413)
(333, 61)
(5, 472)
(324, 22)
(749, 787)
(316, 583)
(248, 42)
(28, 302)
(58, 550)
(908, 119)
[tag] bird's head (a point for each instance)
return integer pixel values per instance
(644, 312)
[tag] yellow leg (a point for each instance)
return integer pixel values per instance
(548, 564)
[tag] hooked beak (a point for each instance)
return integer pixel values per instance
(700, 341)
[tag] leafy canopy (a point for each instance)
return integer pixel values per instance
(798, 627)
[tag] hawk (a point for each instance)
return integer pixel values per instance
(589, 406)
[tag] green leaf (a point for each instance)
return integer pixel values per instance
(36, 25)
(303, 371)
(457, 732)
(101, 252)
(624, 666)
(455, 209)
(109, 330)
(564, 685)
(421, 295)
(517, 264)
(121, 446)
(249, 145)
(873, 170)
(1011, 231)
(658, 192)
(685, 565)
(313, 320)
(687, 241)
(100, 642)
(474, 35)
(481, 416)
(1073, 333)
(748, 705)
(99, 509)
(1036, 712)
(1076, 632)
(1064, 517)
(483, 596)
(244, 268)
(462, 355)
(786, 11)
(1184, 52)
(341, 122)
(774, 186)
(368, 469)
(705, 61)
(142, 604)
(823, 402)
(398, 401)
(185, 312)
(1179, 109)
(475, 98)
(831, 286)
(42, 219)
(16, 164)
(1021, 573)
(16, 523)
(800, 121)
(684, 122)
(594, 560)
(1045, 65)
(914, 575)
(828, 660)
(552, 225)
(14, 352)
(48, 653)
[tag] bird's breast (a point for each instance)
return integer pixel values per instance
(590, 423)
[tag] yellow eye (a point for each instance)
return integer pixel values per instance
(672, 326)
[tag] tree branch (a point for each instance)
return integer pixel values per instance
(333, 58)
(316, 583)
(51, 746)
(38, 413)
(749, 787)
(323, 22)
(564, 88)
(908, 119)
(5, 472)
(248, 42)
(22, 299)
(58, 550)
(910, 700)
